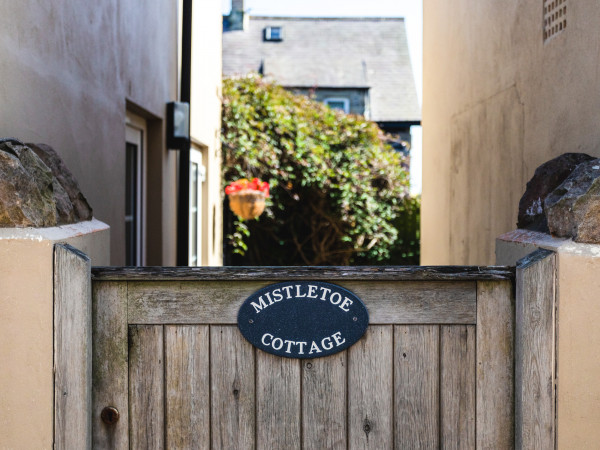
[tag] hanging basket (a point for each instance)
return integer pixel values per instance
(247, 203)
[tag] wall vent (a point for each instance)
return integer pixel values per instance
(555, 17)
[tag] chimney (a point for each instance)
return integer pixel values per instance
(237, 19)
(237, 5)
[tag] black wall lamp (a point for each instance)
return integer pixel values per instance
(178, 125)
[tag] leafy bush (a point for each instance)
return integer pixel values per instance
(338, 191)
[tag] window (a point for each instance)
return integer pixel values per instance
(273, 34)
(338, 103)
(197, 177)
(134, 190)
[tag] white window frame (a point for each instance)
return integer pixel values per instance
(136, 134)
(343, 100)
(269, 34)
(195, 255)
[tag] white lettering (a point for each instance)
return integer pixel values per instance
(311, 291)
(287, 289)
(268, 294)
(301, 345)
(260, 306)
(328, 345)
(298, 292)
(346, 302)
(337, 336)
(314, 348)
(289, 344)
(277, 346)
(338, 300)
(325, 291)
(277, 295)
(263, 339)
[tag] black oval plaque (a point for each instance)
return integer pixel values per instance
(303, 319)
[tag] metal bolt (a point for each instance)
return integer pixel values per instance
(355, 318)
(110, 415)
(250, 321)
(309, 365)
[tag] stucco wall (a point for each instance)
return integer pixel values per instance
(26, 326)
(69, 72)
(578, 334)
(206, 121)
(498, 101)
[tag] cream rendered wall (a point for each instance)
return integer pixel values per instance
(68, 71)
(27, 327)
(577, 332)
(499, 101)
(205, 124)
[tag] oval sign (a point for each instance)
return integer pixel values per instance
(303, 319)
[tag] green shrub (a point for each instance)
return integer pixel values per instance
(338, 191)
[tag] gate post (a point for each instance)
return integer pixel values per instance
(27, 332)
(574, 345)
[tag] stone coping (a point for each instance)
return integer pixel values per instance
(54, 233)
(543, 240)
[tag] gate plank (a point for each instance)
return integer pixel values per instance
(495, 343)
(535, 351)
(110, 363)
(72, 349)
(232, 389)
(370, 390)
(217, 302)
(416, 390)
(457, 385)
(278, 402)
(187, 386)
(146, 386)
(324, 402)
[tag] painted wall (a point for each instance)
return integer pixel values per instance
(498, 102)
(207, 29)
(26, 326)
(71, 70)
(577, 334)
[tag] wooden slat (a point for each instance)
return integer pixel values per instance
(535, 351)
(388, 302)
(110, 363)
(495, 368)
(72, 349)
(278, 402)
(146, 386)
(371, 390)
(328, 273)
(416, 390)
(232, 389)
(324, 402)
(187, 387)
(457, 386)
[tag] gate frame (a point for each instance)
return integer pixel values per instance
(535, 295)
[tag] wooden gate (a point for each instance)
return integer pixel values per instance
(435, 368)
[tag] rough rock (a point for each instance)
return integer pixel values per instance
(71, 203)
(546, 178)
(26, 192)
(573, 208)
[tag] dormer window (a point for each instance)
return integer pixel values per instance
(338, 103)
(273, 34)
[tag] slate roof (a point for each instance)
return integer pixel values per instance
(331, 53)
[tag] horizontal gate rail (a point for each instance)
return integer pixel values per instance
(316, 273)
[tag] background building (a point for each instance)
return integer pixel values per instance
(92, 80)
(359, 65)
(507, 86)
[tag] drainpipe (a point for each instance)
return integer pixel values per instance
(183, 203)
